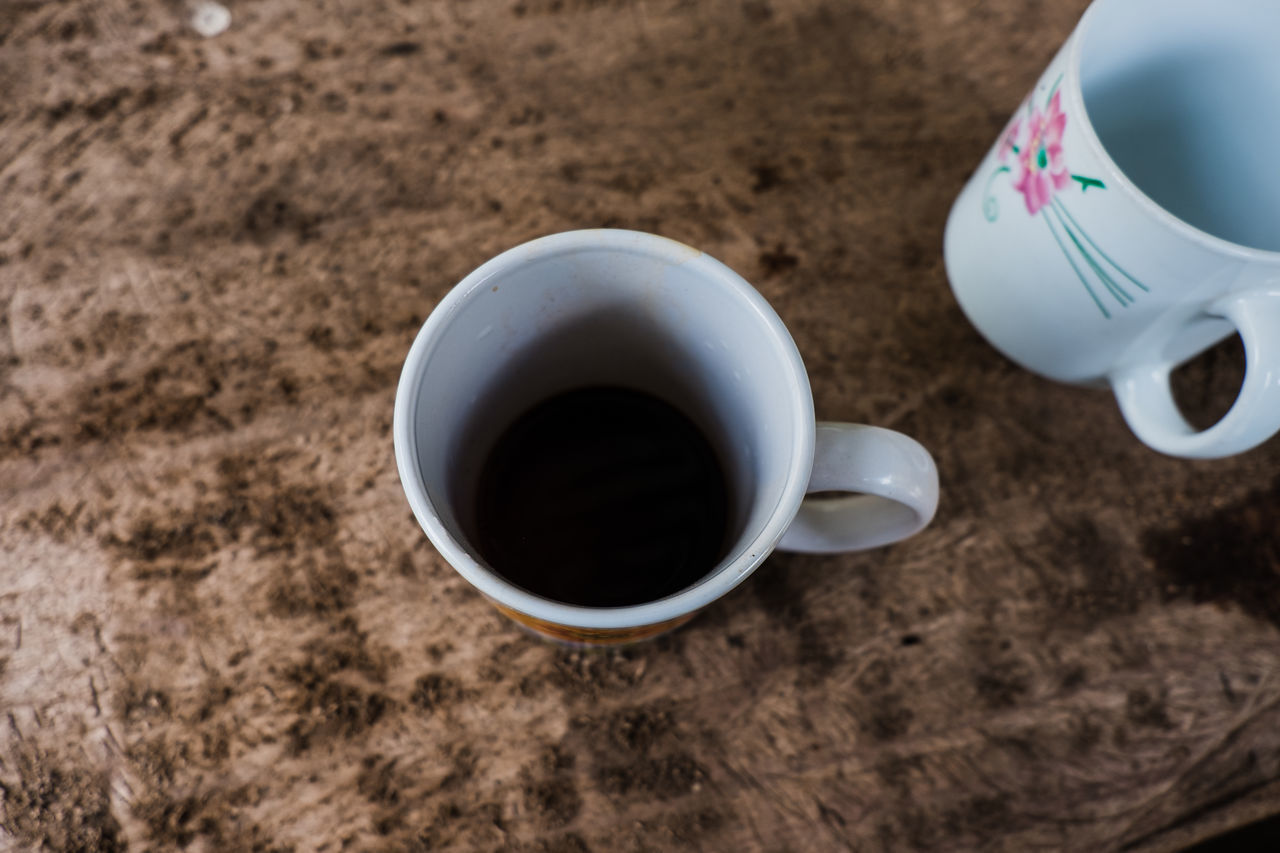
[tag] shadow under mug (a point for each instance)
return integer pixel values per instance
(1128, 217)
(622, 308)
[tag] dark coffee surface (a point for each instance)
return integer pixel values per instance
(602, 497)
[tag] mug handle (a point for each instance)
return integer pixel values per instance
(895, 484)
(1147, 403)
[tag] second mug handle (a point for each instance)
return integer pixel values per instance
(1147, 403)
(893, 484)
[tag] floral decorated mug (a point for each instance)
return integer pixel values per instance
(1128, 217)
(609, 307)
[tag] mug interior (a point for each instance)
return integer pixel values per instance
(610, 308)
(1185, 98)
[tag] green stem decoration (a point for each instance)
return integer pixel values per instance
(1062, 208)
(1108, 282)
(990, 207)
(1066, 254)
(1054, 87)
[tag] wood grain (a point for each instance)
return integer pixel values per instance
(220, 627)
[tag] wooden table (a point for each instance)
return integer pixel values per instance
(220, 627)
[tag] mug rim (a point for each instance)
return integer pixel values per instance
(1075, 92)
(715, 584)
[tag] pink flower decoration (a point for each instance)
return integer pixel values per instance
(1044, 169)
(1010, 139)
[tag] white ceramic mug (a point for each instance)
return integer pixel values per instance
(1128, 217)
(606, 307)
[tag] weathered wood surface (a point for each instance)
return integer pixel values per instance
(221, 629)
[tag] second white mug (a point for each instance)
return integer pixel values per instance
(1128, 217)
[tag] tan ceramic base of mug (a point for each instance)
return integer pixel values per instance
(574, 636)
